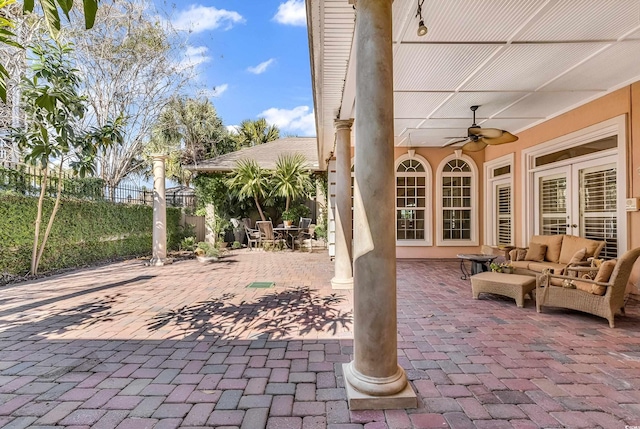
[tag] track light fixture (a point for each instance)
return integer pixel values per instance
(422, 29)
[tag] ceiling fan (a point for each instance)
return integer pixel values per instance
(478, 138)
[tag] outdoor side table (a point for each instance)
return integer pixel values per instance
(479, 263)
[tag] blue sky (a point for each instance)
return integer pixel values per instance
(253, 59)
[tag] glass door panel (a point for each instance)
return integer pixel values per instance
(597, 205)
(553, 210)
(580, 199)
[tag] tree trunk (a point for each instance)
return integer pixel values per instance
(259, 209)
(36, 236)
(286, 206)
(52, 216)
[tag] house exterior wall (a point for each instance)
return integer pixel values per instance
(625, 101)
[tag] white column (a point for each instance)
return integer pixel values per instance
(343, 278)
(159, 255)
(374, 379)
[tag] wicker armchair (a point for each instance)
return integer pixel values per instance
(607, 305)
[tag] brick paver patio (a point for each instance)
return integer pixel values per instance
(188, 345)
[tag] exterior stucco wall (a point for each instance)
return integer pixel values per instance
(625, 101)
(620, 102)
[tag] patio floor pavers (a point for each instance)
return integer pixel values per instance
(189, 345)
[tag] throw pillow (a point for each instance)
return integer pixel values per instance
(517, 254)
(536, 252)
(603, 276)
(578, 256)
(521, 254)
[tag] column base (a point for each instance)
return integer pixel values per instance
(337, 283)
(159, 262)
(357, 400)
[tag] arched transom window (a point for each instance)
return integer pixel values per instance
(412, 197)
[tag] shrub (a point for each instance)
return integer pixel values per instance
(84, 232)
(206, 249)
(188, 244)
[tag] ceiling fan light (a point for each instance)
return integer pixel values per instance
(422, 29)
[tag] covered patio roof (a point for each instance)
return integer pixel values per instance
(523, 62)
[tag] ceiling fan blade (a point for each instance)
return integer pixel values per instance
(506, 137)
(456, 142)
(474, 146)
(491, 133)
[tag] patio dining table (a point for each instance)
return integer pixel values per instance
(291, 231)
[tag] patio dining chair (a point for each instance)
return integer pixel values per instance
(267, 235)
(253, 236)
(303, 232)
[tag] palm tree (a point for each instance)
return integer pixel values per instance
(252, 133)
(291, 178)
(249, 180)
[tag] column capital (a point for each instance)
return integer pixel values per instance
(159, 156)
(343, 124)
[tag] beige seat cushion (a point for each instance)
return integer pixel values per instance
(571, 244)
(541, 266)
(603, 276)
(520, 264)
(536, 252)
(553, 243)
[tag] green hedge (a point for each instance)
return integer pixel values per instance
(83, 232)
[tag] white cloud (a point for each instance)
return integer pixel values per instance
(202, 18)
(291, 12)
(219, 90)
(262, 67)
(299, 120)
(193, 56)
(216, 91)
(232, 129)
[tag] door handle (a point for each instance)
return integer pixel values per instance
(574, 225)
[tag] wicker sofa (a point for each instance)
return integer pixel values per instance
(558, 254)
(601, 298)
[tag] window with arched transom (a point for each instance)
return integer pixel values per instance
(413, 195)
(457, 222)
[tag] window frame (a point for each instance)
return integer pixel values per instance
(473, 241)
(428, 208)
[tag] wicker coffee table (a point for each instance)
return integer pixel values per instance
(512, 285)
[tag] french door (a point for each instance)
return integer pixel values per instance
(579, 199)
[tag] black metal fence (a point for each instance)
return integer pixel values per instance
(27, 180)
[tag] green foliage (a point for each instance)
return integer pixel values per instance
(249, 180)
(321, 231)
(52, 18)
(85, 232)
(253, 133)
(213, 189)
(90, 188)
(206, 249)
(236, 245)
(188, 244)
(53, 109)
(289, 215)
(291, 178)
(299, 211)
